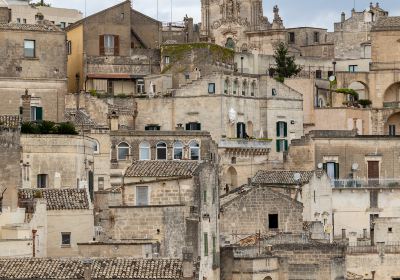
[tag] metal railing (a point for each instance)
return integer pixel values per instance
(366, 183)
(392, 104)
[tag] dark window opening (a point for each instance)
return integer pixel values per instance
(273, 221)
(193, 126)
(241, 130)
(152, 127)
(42, 181)
(316, 37)
(292, 38)
(318, 74)
(392, 130)
(65, 238)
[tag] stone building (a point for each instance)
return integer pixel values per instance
(34, 57)
(174, 203)
(240, 25)
(112, 50)
(181, 32)
(24, 12)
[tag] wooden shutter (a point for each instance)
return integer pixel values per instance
(286, 145)
(285, 129)
(39, 113)
(336, 170)
(116, 45)
(278, 145)
(101, 45)
(278, 132)
(205, 244)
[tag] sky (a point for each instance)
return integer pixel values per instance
(295, 13)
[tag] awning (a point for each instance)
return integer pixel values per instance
(114, 76)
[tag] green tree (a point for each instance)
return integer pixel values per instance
(42, 3)
(286, 66)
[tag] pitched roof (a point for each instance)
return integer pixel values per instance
(11, 121)
(284, 177)
(29, 27)
(58, 199)
(387, 23)
(122, 268)
(79, 117)
(162, 168)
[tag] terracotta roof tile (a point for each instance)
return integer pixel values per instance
(162, 168)
(29, 27)
(121, 268)
(387, 23)
(283, 177)
(58, 199)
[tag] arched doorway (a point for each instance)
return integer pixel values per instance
(392, 96)
(231, 177)
(392, 125)
(361, 89)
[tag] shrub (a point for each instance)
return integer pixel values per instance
(365, 102)
(29, 128)
(348, 91)
(66, 128)
(46, 127)
(280, 79)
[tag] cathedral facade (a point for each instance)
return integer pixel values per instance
(240, 25)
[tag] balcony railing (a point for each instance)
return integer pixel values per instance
(366, 183)
(394, 104)
(245, 144)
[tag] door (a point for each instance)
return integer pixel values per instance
(373, 173)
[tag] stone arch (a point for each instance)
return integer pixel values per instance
(391, 97)
(231, 177)
(361, 88)
(268, 278)
(392, 125)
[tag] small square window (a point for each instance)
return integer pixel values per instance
(273, 221)
(211, 88)
(62, 25)
(390, 230)
(65, 239)
(18, 20)
(274, 92)
(24, 20)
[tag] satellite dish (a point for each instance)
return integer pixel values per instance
(320, 165)
(354, 166)
(296, 176)
(332, 78)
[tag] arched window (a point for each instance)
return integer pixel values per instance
(244, 88)
(161, 151)
(235, 86)
(96, 147)
(123, 151)
(144, 151)
(253, 89)
(230, 44)
(178, 150)
(226, 86)
(194, 150)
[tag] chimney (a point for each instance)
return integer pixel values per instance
(26, 107)
(114, 121)
(179, 126)
(343, 17)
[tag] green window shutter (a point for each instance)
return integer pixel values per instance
(278, 131)
(336, 170)
(285, 129)
(278, 145)
(214, 244)
(205, 244)
(205, 196)
(39, 113)
(286, 145)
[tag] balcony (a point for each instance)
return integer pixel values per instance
(393, 105)
(245, 144)
(366, 183)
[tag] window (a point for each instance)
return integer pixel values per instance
(233, 160)
(274, 92)
(42, 181)
(318, 74)
(69, 47)
(193, 126)
(194, 150)
(100, 183)
(316, 37)
(142, 196)
(144, 151)
(332, 169)
(62, 25)
(281, 129)
(18, 20)
(392, 130)
(123, 151)
(235, 86)
(109, 44)
(122, 16)
(140, 86)
(226, 86)
(282, 145)
(65, 239)
(96, 147)
(330, 74)
(353, 68)
(241, 130)
(244, 88)
(178, 150)
(390, 230)
(253, 88)
(36, 113)
(211, 88)
(292, 38)
(24, 20)
(161, 151)
(230, 44)
(29, 48)
(166, 59)
(152, 127)
(273, 221)
(205, 197)
(110, 87)
(205, 244)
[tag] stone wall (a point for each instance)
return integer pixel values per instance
(385, 266)
(5, 14)
(116, 250)
(147, 29)
(249, 213)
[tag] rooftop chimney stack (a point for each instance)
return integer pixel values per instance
(343, 17)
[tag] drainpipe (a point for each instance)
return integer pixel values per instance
(34, 231)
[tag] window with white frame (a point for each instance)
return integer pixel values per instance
(29, 48)
(123, 151)
(161, 151)
(178, 150)
(140, 86)
(96, 147)
(142, 196)
(211, 88)
(109, 44)
(194, 150)
(144, 151)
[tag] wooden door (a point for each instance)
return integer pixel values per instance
(373, 172)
